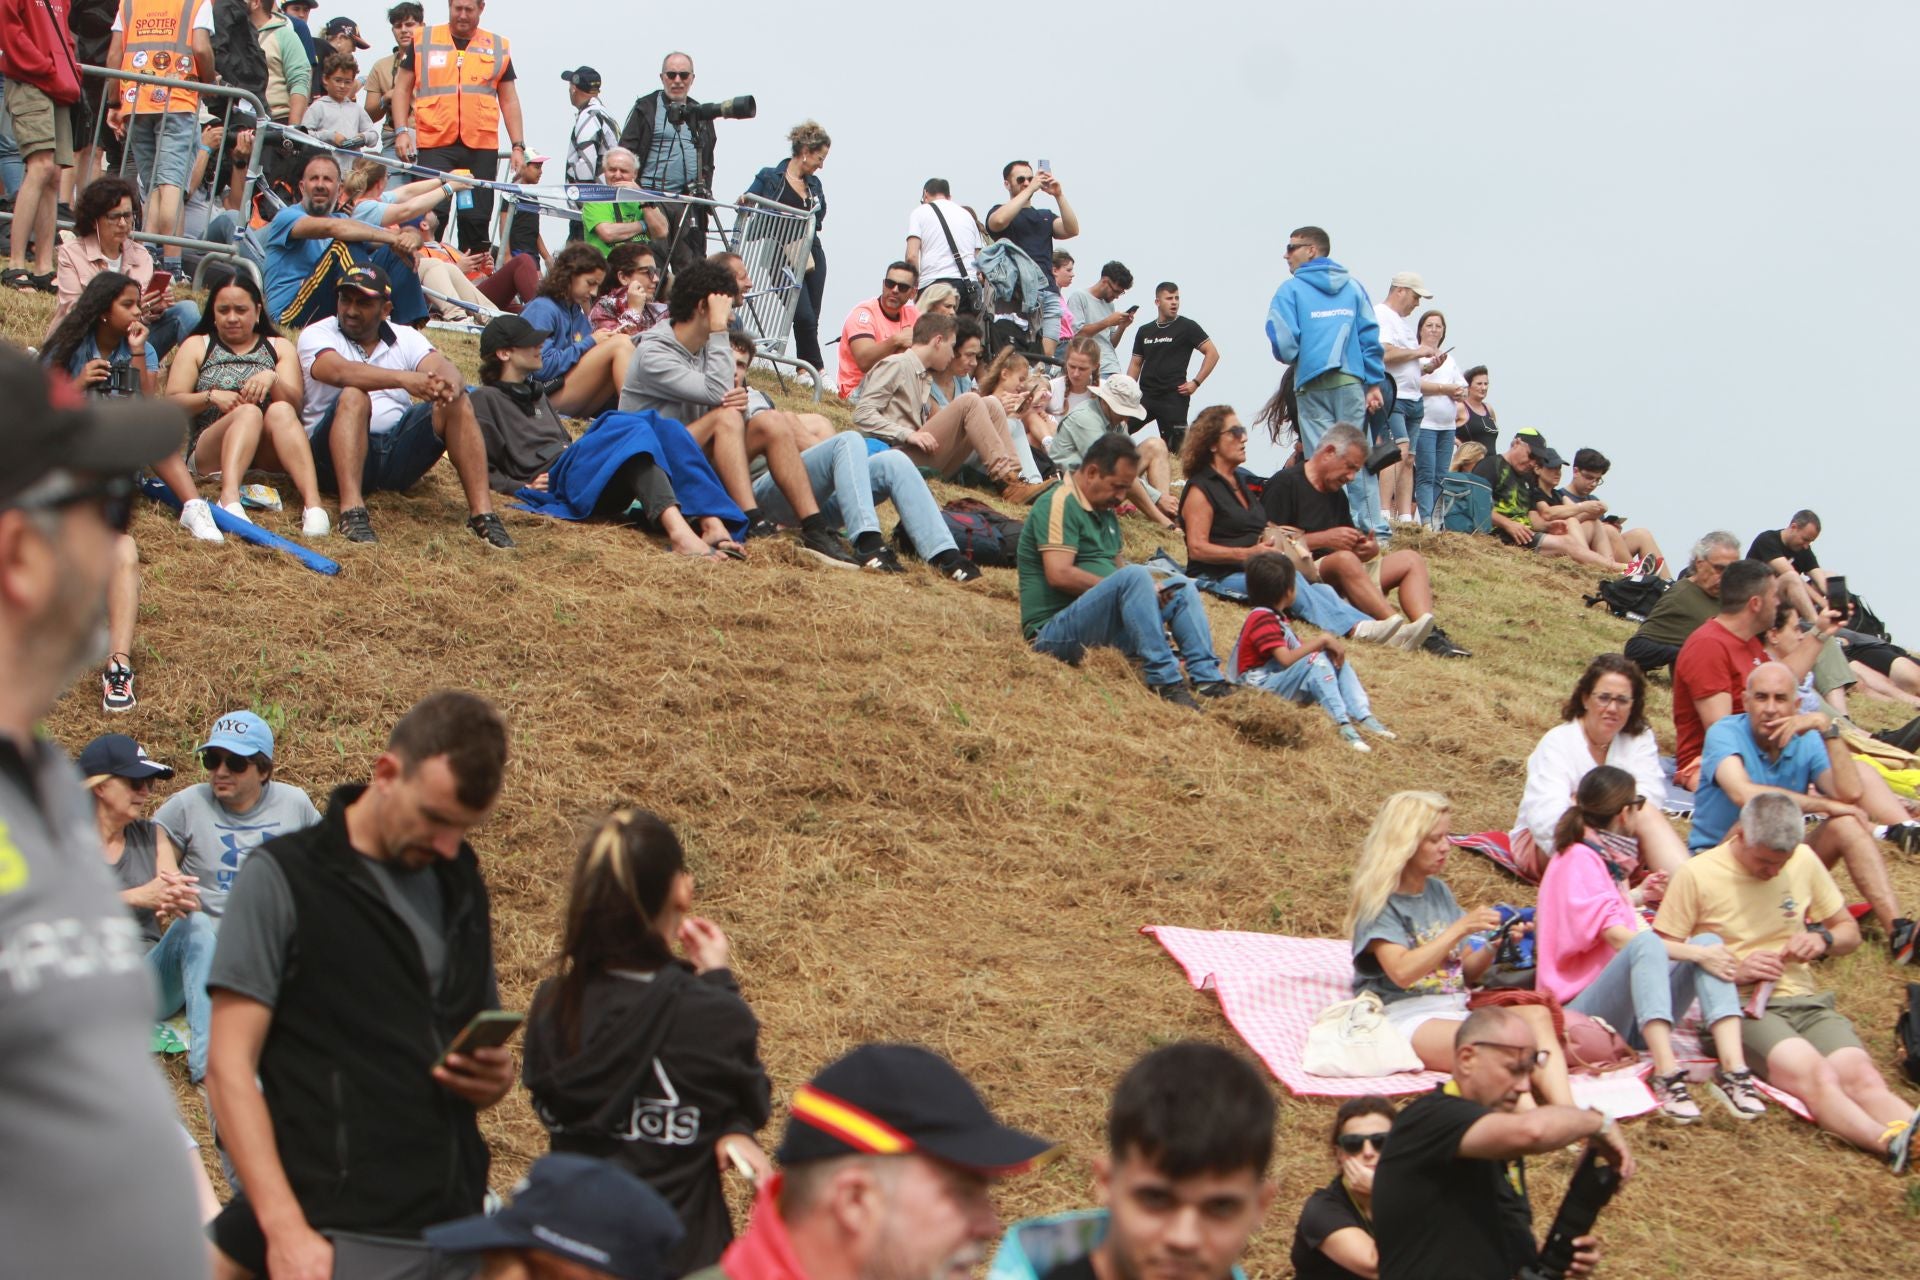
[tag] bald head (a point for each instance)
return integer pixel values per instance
(1491, 1023)
(1771, 677)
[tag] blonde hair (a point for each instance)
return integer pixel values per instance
(808, 136)
(1468, 456)
(1398, 829)
(366, 173)
(935, 294)
(997, 370)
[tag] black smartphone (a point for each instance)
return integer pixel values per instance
(1837, 594)
(1134, 309)
(489, 1029)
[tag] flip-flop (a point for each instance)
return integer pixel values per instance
(730, 549)
(707, 554)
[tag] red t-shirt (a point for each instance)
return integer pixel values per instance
(1263, 632)
(1713, 660)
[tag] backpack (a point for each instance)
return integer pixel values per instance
(1630, 598)
(237, 54)
(1906, 1034)
(1867, 622)
(985, 536)
(1465, 504)
(1906, 737)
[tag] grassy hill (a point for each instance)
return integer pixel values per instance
(914, 828)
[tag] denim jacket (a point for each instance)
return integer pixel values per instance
(771, 184)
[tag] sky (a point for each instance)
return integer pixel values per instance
(1670, 231)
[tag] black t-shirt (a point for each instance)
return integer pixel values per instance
(1081, 1268)
(523, 232)
(1440, 1216)
(1327, 1210)
(1769, 547)
(1238, 521)
(1032, 230)
(1291, 500)
(1165, 353)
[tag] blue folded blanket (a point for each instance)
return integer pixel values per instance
(583, 470)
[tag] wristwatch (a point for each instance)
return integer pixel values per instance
(1606, 1122)
(1831, 732)
(1826, 934)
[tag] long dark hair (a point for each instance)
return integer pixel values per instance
(1610, 664)
(568, 265)
(262, 326)
(621, 879)
(1599, 798)
(1280, 409)
(89, 309)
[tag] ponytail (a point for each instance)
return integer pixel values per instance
(1602, 794)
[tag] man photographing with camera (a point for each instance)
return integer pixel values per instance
(674, 137)
(1452, 1181)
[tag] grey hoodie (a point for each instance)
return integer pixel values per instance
(675, 382)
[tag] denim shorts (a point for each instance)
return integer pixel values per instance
(396, 459)
(175, 136)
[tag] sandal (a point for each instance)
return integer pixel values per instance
(43, 284)
(17, 278)
(705, 553)
(730, 549)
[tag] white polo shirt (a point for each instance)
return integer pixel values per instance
(400, 349)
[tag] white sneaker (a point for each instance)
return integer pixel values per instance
(196, 517)
(1377, 630)
(1414, 634)
(314, 523)
(237, 510)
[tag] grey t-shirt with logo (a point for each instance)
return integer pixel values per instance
(214, 842)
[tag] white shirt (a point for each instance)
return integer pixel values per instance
(1061, 404)
(936, 260)
(1397, 330)
(594, 134)
(1559, 762)
(1441, 410)
(397, 349)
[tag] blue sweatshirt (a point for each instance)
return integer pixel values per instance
(571, 335)
(1320, 320)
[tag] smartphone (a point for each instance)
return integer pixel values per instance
(160, 281)
(489, 1029)
(1046, 166)
(1837, 594)
(1134, 309)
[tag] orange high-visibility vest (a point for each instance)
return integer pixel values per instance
(158, 37)
(456, 91)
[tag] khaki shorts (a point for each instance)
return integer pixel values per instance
(1809, 1018)
(40, 124)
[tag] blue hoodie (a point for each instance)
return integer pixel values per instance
(1320, 320)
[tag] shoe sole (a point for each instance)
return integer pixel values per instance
(1721, 1096)
(826, 559)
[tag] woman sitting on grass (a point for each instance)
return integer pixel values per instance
(637, 1055)
(1598, 955)
(1008, 382)
(592, 365)
(1269, 656)
(629, 300)
(241, 382)
(102, 345)
(1334, 1238)
(1409, 937)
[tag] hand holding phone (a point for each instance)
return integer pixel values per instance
(489, 1029)
(161, 280)
(1837, 599)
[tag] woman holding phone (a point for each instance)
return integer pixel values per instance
(641, 1056)
(103, 241)
(1444, 389)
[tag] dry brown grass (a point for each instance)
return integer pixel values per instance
(913, 828)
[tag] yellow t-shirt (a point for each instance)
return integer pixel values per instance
(1712, 894)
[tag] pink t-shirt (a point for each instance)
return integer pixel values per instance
(868, 321)
(1578, 901)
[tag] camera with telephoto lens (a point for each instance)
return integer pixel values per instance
(740, 108)
(1594, 1183)
(122, 380)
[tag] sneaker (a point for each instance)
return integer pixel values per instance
(1410, 637)
(488, 529)
(1740, 1093)
(1652, 565)
(960, 569)
(116, 687)
(1676, 1100)
(237, 510)
(828, 548)
(1351, 736)
(196, 517)
(1633, 566)
(763, 528)
(314, 523)
(261, 497)
(1373, 726)
(1177, 694)
(1904, 836)
(1216, 689)
(1899, 1137)
(1442, 645)
(356, 526)
(1900, 941)
(881, 561)
(1377, 630)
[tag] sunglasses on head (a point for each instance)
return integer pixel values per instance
(113, 495)
(1351, 1143)
(214, 759)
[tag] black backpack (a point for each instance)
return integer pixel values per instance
(1630, 598)
(237, 54)
(1906, 1034)
(987, 537)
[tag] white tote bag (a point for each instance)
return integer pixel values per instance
(1353, 1038)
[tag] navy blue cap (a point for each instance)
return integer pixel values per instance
(576, 1207)
(116, 755)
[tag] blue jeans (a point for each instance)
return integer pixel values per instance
(1319, 605)
(1323, 406)
(1125, 612)
(179, 963)
(847, 481)
(1641, 985)
(396, 459)
(1432, 454)
(173, 324)
(1315, 679)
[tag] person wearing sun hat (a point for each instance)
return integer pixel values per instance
(886, 1163)
(573, 1217)
(1116, 405)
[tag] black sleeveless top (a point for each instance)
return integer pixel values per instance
(1234, 524)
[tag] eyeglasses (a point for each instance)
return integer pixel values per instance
(1637, 803)
(213, 759)
(1523, 1065)
(676, 75)
(1594, 479)
(113, 494)
(1613, 699)
(1238, 433)
(1351, 1143)
(896, 286)
(646, 271)
(118, 215)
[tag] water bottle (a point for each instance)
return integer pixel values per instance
(462, 200)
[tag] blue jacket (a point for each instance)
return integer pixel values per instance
(585, 467)
(1321, 320)
(571, 335)
(771, 184)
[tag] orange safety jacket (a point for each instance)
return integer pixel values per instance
(158, 41)
(456, 91)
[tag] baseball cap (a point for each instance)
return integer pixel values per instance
(365, 278)
(1537, 445)
(288, 6)
(115, 755)
(51, 425)
(579, 1208)
(242, 733)
(585, 79)
(344, 27)
(507, 331)
(1122, 395)
(1411, 280)
(902, 1099)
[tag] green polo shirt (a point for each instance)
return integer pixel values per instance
(1061, 521)
(595, 212)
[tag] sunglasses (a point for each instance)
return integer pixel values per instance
(676, 75)
(646, 271)
(213, 759)
(139, 785)
(1295, 246)
(1238, 433)
(896, 286)
(1352, 1143)
(1637, 803)
(113, 495)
